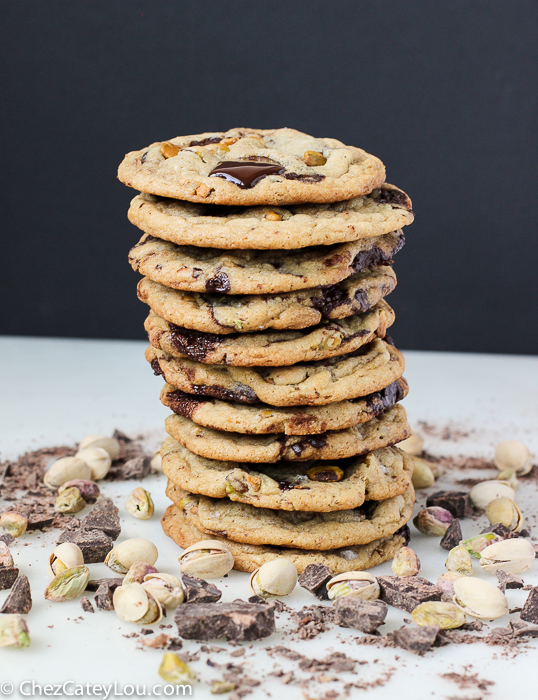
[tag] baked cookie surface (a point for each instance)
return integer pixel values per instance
(252, 166)
(208, 225)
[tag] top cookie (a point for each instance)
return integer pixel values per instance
(252, 166)
(384, 210)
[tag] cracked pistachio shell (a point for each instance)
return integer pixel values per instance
(512, 454)
(174, 670)
(134, 604)
(65, 556)
(475, 545)
(206, 559)
(514, 556)
(445, 615)
(70, 501)
(124, 555)
(14, 524)
(88, 489)
(98, 460)
(433, 521)
(14, 632)
(111, 445)
(412, 445)
(509, 477)
(66, 469)
(405, 562)
(355, 584)
(156, 462)
(165, 588)
(423, 476)
(486, 491)
(446, 583)
(68, 584)
(505, 511)
(5, 555)
(459, 560)
(274, 578)
(480, 599)
(138, 571)
(139, 504)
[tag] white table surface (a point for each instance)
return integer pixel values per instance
(58, 391)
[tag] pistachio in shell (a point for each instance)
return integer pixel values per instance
(111, 445)
(13, 523)
(486, 491)
(124, 555)
(70, 501)
(480, 599)
(174, 670)
(98, 460)
(66, 469)
(139, 504)
(274, 578)
(412, 445)
(505, 511)
(445, 615)
(68, 585)
(513, 454)
(165, 588)
(355, 584)
(65, 556)
(423, 476)
(206, 559)
(138, 571)
(433, 521)
(132, 603)
(513, 556)
(14, 631)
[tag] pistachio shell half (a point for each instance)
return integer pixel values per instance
(355, 584)
(487, 491)
(132, 603)
(111, 445)
(513, 454)
(165, 588)
(274, 578)
(98, 460)
(174, 670)
(68, 584)
(479, 598)
(65, 556)
(505, 511)
(206, 559)
(514, 556)
(5, 555)
(66, 469)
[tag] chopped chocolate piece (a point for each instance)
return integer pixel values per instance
(38, 520)
(175, 644)
(524, 533)
(104, 596)
(135, 468)
(104, 517)
(95, 545)
(472, 626)
(452, 536)
(8, 576)
(416, 639)
(96, 583)
(314, 578)
(363, 615)
(86, 604)
(145, 630)
(508, 580)
(199, 591)
(258, 600)
(530, 609)
(7, 539)
(406, 592)
(523, 630)
(456, 502)
(242, 622)
(19, 600)
(501, 531)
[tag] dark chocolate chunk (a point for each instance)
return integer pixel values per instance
(314, 177)
(136, 468)
(194, 344)
(96, 583)
(246, 174)
(416, 639)
(456, 502)
(104, 517)
(19, 600)
(501, 531)
(95, 544)
(104, 595)
(8, 576)
(7, 539)
(314, 578)
(38, 520)
(239, 621)
(199, 591)
(184, 404)
(404, 532)
(86, 604)
(363, 615)
(472, 626)
(508, 580)
(452, 536)
(406, 592)
(396, 198)
(530, 609)
(219, 283)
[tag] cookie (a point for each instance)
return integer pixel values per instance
(252, 166)
(388, 429)
(225, 314)
(365, 371)
(376, 476)
(209, 270)
(264, 419)
(249, 557)
(242, 522)
(208, 225)
(271, 348)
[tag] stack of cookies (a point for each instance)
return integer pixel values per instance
(267, 258)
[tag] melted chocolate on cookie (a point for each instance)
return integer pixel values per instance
(245, 174)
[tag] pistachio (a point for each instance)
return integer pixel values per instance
(69, 501)
(504, 511)
(156, 462)
(423, 476)
(66, 469)
(139, 504)
(355, 584)
(476, 544)
(14, 524)
(405, 562)
(513, 555)
(486, 491)
(88, 489)
(134, 604)
(138, 571)
(433, 521)
(174, 670)
(5, 555)
(169, 150)
(412, 445)
(509, 477)
(325, 473)
(314, 158)
(98, 460)
(111, 445)
(65, 556)
(165, 588)
(124, 555)
(273, 216)
(274, 578)
(446, 583)
(459, 560)
(230, 140)
(445, 615)
(512, 454)
(220, 687)
(480, 599)
(14, 632)
(68, 584)
(206, 559)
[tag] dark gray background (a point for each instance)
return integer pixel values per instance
(444, 92)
